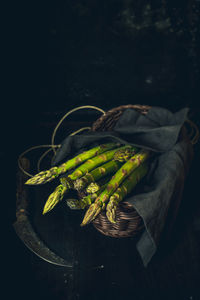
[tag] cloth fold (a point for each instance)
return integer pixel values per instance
(157, 131)
(162, 132)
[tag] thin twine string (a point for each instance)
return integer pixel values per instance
(52, 146)
(193, 135)
(66, 115)
(28, 150)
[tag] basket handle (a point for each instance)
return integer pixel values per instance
(66, 115)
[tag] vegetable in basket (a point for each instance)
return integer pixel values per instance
(84, 201)
(124, 189)
(67, 182)
(48, 175)
(126, 169)
(112, 166)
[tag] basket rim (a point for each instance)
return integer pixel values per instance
(140, 107)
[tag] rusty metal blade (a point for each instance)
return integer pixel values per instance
(23, 225)
(26, 233)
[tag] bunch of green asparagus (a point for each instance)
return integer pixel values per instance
(106, 174)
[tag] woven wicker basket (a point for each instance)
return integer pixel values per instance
(128, 222)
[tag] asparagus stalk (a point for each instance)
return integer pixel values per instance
(48, 175)
(96, 174)
(85, 201)
(124, 189)
(95, 186)
(67, 182)
(94, 162)
(99, 204)
(57, 195)
(108, 168)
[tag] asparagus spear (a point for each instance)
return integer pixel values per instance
(54, 198)
(95, 186)
(125, 188)
(57, 195)
(94, 162)
(108, 168)
(85, 201)
(99, 204)
(96, 174)
(67, 182)
(48, 175)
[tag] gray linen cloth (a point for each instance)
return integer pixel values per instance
(162, 132)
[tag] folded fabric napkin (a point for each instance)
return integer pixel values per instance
(162, 132)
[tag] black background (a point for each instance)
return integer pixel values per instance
(105, 53)
(63, 54)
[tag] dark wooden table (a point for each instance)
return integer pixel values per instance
(107, 267)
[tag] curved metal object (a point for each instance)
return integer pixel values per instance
(24, 228)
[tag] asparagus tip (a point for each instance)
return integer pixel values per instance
(44, 212)
(73, 203)
(46, 208)
(111, 217)
(29, 181)
(78, 184)
(89, 215)
(82, 224)
(54, 198)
